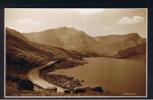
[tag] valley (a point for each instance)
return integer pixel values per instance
(29, 57)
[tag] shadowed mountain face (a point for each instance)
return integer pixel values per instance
(120, 46)
(23, 55)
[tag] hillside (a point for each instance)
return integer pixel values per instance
(72, 39)
(23, 55)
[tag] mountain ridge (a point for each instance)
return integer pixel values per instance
(67, 38)
(72, 39)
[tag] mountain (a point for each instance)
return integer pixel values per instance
(22, 55)
(72, 39)
(67, 38)
(115, 45)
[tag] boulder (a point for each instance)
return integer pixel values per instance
(79, 90)
(67, 91)
(98, 89)
(25, 85)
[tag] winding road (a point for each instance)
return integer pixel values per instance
(34, 76)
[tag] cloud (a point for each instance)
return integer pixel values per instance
(131, 20)
(28, 21)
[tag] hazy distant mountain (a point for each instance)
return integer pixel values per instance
(72, 39)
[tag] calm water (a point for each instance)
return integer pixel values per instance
(116, 75)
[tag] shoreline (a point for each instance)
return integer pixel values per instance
(70, 73)
(68, 82)
(62, 65)
(34, 76)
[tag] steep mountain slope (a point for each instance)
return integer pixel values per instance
(67, 38)
(15, 34)
(23, 55)
(135, 52)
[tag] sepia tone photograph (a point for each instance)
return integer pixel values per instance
(79, 52)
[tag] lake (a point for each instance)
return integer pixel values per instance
(121, 76)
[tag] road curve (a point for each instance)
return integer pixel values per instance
(34, 76)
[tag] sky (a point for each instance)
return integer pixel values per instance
(95, 22)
